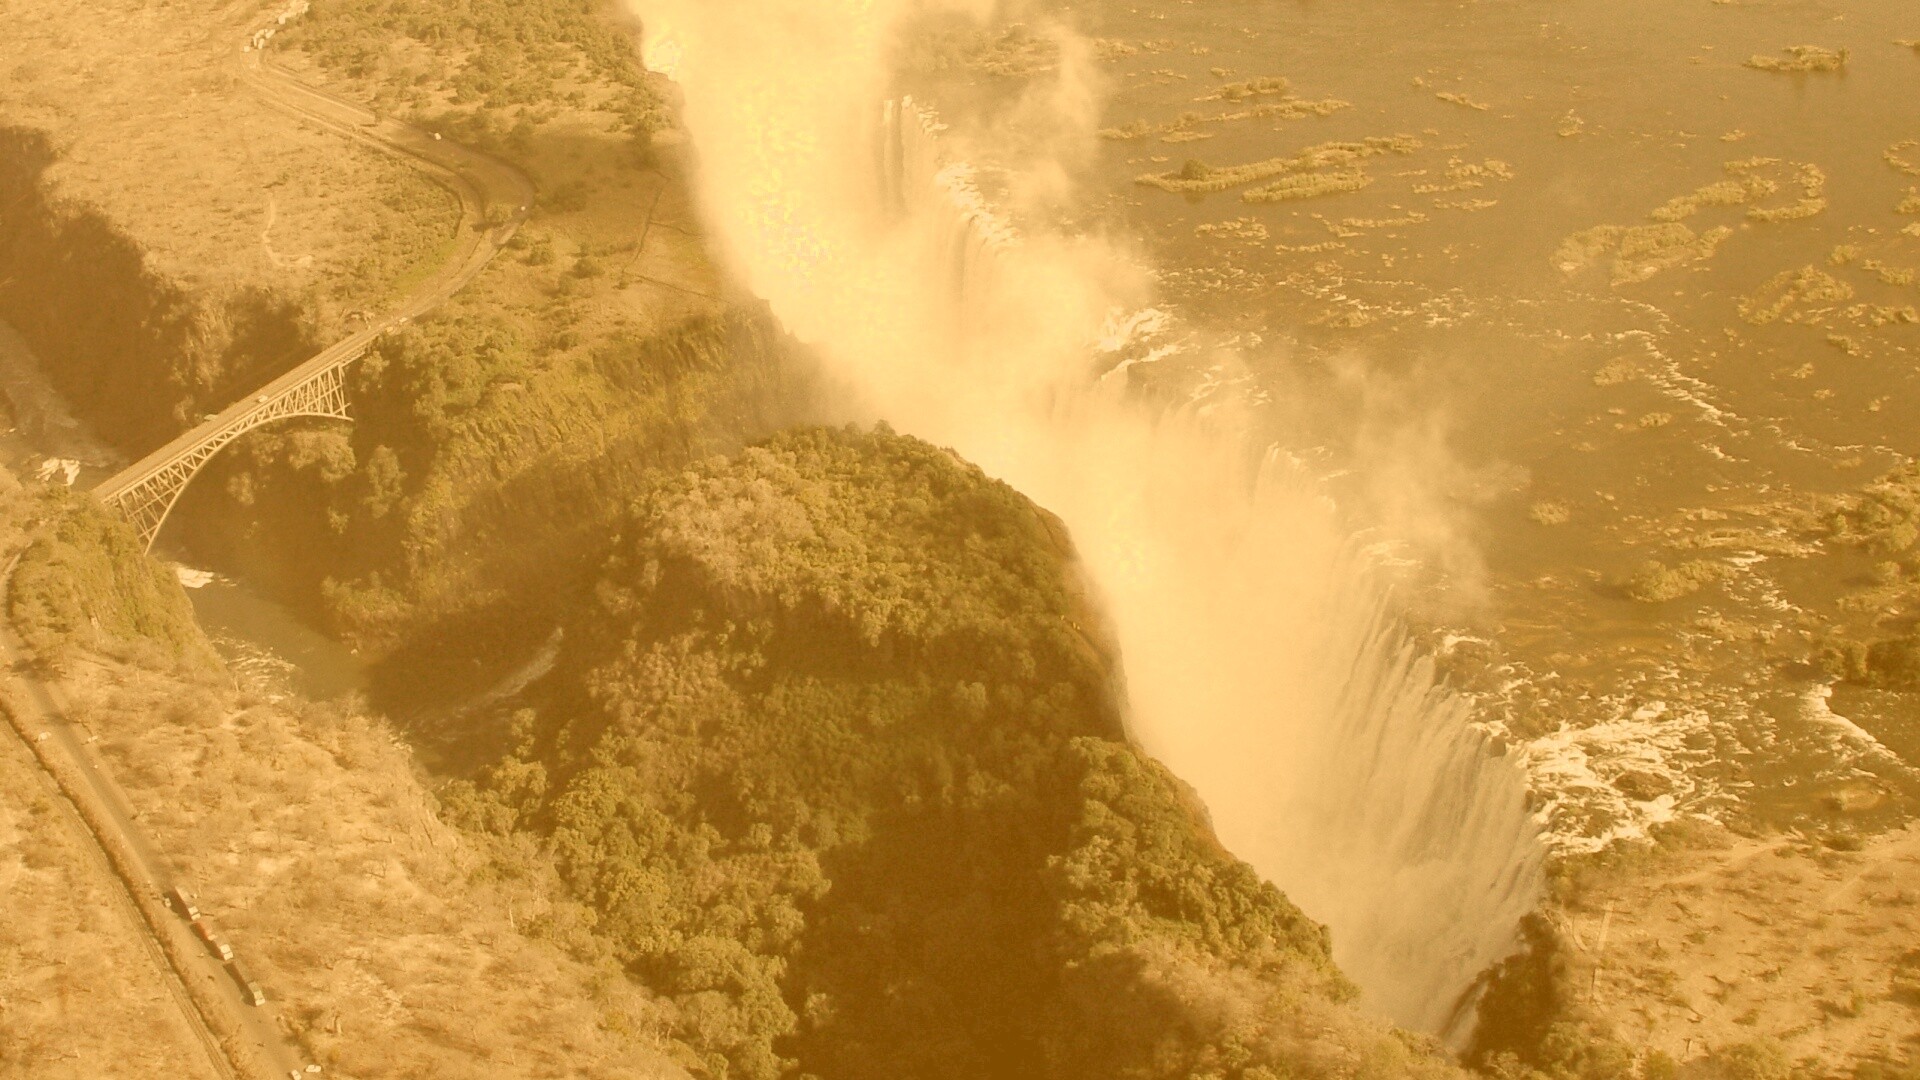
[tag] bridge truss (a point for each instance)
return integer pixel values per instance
(145, 493)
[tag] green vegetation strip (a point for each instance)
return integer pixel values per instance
(1341, 159)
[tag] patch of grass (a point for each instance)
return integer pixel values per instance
(1896, 156)
(1186, 128)
(1463, 101)
(1307, 186)
(1267, 86)
(1899, 277)
(1638, 252)
(1550, 512)
(1737, 192)
(1467, 175)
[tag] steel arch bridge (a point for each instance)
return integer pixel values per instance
(145, 492)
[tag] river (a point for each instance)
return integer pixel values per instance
(266, 646)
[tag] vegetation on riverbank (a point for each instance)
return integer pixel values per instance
(1327, 169)
(1800, 60)
(82, 581)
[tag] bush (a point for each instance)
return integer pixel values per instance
(1759, 1060)
(1656, 583)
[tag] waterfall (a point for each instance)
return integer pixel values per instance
(1262, 662)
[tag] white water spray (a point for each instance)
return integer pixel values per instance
(1261, 663)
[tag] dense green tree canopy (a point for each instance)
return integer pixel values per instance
(835, 757)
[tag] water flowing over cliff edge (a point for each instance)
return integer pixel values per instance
(1262, 659)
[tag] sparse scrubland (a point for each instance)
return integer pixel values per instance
(164, 261)
(391, 944)
(83, 999)
(1706, 955)
(80, 997)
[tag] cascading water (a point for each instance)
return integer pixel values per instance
(1262, 663)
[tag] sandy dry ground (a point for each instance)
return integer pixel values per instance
(81, 997)
(157, 132)
(1770, 938)
(636, 218)
(387, 941)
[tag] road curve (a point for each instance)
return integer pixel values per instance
(494, 200)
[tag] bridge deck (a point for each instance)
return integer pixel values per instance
(236, 417)
(480, 183)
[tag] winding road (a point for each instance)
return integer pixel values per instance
(494, 200)
(244, 1042)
